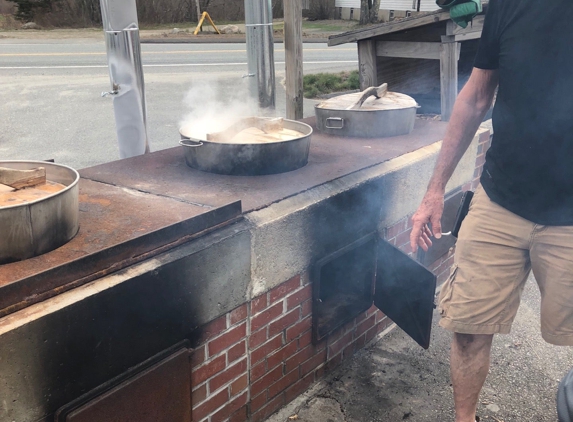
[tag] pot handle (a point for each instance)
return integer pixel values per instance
(339, 120)
(190, 143)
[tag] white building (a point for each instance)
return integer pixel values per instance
(350, 9)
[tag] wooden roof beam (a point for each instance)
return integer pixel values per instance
(388, 27)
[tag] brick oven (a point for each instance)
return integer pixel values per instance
(222, 321)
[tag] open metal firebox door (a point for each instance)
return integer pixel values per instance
(126, 73)
(372, 271)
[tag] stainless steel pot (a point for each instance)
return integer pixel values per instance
(371, 120)
(40, 226)
(248, 159)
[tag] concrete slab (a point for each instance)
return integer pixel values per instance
(393, 379)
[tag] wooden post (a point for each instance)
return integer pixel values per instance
(367, 67)
(293, 58)
(448, 78)
(449, 56)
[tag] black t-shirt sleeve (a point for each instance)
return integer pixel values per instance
(487, 56)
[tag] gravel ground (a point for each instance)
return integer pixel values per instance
(394, 379)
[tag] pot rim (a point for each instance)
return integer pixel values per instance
(307, 126)
(45, 198)
(360, 110)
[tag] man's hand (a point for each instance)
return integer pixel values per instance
(430, 211)
(473, 102)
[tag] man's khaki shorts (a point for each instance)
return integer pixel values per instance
(495, 252)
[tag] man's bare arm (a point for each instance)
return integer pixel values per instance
(471, 105)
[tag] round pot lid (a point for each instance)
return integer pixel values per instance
(390, 101)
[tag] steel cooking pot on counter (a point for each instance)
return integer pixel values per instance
(373, 113)
(253, 146)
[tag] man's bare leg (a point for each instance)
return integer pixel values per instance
(469, 364)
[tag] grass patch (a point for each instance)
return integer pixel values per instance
(7, 22)
(326, 83)
(328, 27)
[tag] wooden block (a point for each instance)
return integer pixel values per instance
(22, 178)
(271, 125)
(6, 188)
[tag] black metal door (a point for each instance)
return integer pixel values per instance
(405, 292)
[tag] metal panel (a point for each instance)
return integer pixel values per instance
(159, 392)
(260, 51)
(405, 292)
(126, 76)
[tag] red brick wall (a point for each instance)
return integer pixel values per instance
(255, 359)
(258, 357)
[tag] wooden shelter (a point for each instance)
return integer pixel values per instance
(426, 56)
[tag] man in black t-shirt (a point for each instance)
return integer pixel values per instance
(521, 217)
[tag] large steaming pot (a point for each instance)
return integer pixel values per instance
(391, 115)
(248, 159)
(37, 227)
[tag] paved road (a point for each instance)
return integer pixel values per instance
(50, 105)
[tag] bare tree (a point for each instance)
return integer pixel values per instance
(369, 11)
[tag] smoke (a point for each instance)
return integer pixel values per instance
(214, 107)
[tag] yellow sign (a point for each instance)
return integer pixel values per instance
(203, 16)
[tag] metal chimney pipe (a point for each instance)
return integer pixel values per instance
(126, 74)
(260, 51)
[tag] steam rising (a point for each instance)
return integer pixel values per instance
(214, 107)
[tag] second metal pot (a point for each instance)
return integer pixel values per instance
(366, 123)
(392, 115)
(249, 159)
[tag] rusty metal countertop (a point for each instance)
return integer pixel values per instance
(118, 227)
(165, 172)
(135, 208)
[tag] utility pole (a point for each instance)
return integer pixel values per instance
(121, 30)
(293, 58)
(260, 52)
(198, 10)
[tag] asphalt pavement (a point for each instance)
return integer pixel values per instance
(394, 379)
(50, 103)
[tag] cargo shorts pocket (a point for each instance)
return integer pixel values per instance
(447, 292)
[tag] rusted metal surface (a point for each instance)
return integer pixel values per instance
(159, 392)
(165, 172)
(118, 227)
